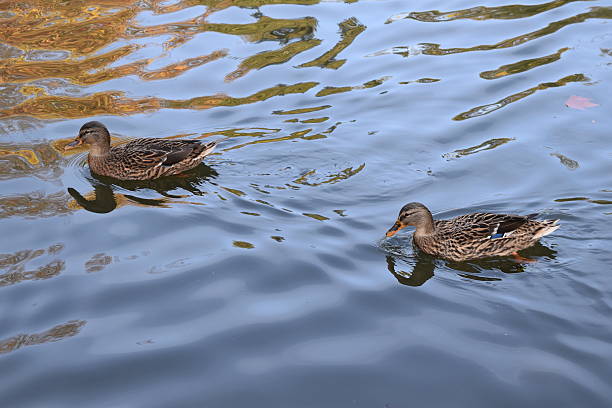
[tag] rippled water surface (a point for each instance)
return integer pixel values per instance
(262, 278)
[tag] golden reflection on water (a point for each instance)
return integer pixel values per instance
(275, 57)
(115, 103)
(55, 49)
(331, 90)
(486, 109)
(329, 179)
(302, 110)
(59, 332)
(435, 49)
(15, 265)
(34, 204)
(243, 245)
(26, 160)
(522, 66)
(487, 145)
(483, 13)
(80, 30)
(28, 155)
(56, 40)
(349, 30)
(98, 262)
(79, 71)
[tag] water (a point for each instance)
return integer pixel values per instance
(263, 278)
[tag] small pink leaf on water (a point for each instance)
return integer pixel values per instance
(579, 102)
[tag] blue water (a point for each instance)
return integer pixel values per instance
(264, 279)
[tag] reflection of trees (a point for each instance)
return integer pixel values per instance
(486, 109)
(32, 30)
(349, 30)
(267, 58)
(522, 66)
(30, 160)
(484, 13)
(35, 204)
(44, 272)
(115, 103)
(58, 40)
(265, 29)
(329, 179)
(331, 90)
(80, 71)
(486, 145)
(435, 49)
(59, 332)
(15, 265)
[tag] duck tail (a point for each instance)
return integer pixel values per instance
(547, 228)
(205, 149)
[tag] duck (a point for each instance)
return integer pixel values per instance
(472, 236)
(140, 159)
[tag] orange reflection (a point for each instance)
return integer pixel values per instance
(329, 179)
(59, 332)
(25, 160)
(266, 29)
(28, 155)
(34, 204)
(115, 103)
(80, 35)
(522, 66)
(349, 30)
(77, 71)
(487, 145)
(435, 49)
(486, 109)
(15, 265)
(267, 58)
(483, 13)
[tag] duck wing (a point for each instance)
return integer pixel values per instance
(177, 156)
(488, 225)
(164, 145)
(146, 153)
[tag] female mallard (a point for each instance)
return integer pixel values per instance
(472, 236)
(140, 159)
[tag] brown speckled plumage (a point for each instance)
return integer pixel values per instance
(471, 236)
(140, 159)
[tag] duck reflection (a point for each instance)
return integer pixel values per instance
(423, 270)
(103, 199)
(424, 265)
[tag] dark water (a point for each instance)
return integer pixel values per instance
(263, 279)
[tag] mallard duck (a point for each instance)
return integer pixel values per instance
(472, 236)
(140, 159)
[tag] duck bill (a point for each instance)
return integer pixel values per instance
(396, 227)
(74, 144)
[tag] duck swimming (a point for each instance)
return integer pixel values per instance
(140, 159)
(472, 236)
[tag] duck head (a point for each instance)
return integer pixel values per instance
(92, 133)
(412, 214)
